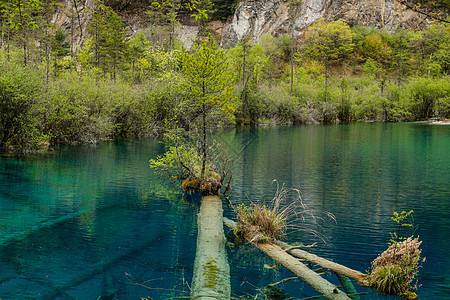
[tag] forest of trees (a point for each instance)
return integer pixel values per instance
(54, 92)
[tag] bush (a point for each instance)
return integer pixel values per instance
(395, 269)
(78, 110)
(425, 94)
(19, 97)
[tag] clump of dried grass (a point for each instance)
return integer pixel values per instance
(394, 270)
(264, 223)
(259, 223)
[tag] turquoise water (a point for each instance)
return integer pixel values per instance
(90, 221)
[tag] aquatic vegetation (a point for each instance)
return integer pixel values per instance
(394, 271)
(260, 222)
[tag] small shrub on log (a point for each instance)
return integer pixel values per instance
(393, 272)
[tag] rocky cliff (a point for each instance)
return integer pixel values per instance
(257, 17)
(73, 17)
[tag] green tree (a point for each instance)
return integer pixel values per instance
(328, 43)
(108, 33)
(137, 47)
(48, 9)
(295, 7)
(60, 47)
(434, 48)
(224, 8)
(209, 84)
(400, 42)
(165, 12)
(201, 11)
(22, 17)
(248, 63)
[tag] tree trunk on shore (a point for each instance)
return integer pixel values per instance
(211, 279)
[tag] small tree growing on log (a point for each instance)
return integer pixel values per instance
(208, 83)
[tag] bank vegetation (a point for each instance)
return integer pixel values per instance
(117, 85)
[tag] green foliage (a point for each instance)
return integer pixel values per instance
(394, 271)
(200, 9)
(77, 111)
(400, 219)
(428, 97)
(224, 8)
(108, 38)
(168, 165)
(19, 91)
(21, 17)
(60, 46)
(397, 76)
(329, 42)
(183, 158)
(207, 78)
(162, 12)
(137, 47)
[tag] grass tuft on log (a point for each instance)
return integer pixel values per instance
(394, 270)
(264, 223)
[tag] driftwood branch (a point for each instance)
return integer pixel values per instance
(282, 281)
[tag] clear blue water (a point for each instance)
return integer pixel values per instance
(90, 221)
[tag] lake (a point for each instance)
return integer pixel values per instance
(95, 222)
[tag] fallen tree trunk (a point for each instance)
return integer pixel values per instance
(211, 279)
(324, 287)
(327, 289)
(14, 237)
(324, 263)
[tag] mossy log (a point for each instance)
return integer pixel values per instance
(361, 278)
(211, 279)
(348, 286)
(324, 287)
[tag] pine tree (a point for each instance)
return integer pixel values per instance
(60, 47)
(209, 83)
(108, 32)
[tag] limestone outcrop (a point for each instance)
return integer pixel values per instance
(257, 17)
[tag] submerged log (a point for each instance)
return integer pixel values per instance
(324, 287)
(18, 236)
(361, 278)
(211, 279)
(348, 286)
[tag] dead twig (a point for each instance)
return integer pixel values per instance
(283, 281)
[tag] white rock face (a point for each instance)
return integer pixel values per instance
(257, 17)
(187, 35)
(69, 16)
